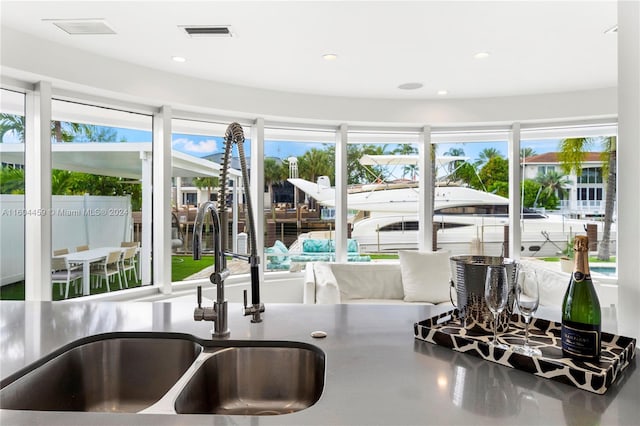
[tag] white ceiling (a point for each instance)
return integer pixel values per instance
(535, 47)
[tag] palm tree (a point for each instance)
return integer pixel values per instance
(11, 180)
(356, 172)
(453, 166)
(527, 152)
(61, 182)
(572, 154)
(274, 173)
(61, 131)
(207, 183)
(487, 154)
(554, 183)
(10, 123)
(408, 169)
(315, 163)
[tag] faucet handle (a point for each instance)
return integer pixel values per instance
(198, 312)
(253, 310)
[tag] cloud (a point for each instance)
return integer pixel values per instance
(208, 146)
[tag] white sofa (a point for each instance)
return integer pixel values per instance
(377, 282)
(382, 283)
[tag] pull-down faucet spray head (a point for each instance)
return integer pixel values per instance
(217, 313)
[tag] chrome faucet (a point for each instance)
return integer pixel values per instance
(217, 313)
(235, 135)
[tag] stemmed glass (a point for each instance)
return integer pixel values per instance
(496, 294)
(527, 302)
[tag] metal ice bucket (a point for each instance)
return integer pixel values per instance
(468, 273)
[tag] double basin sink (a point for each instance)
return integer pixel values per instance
(171, 374)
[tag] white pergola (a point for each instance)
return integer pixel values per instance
(131, 160)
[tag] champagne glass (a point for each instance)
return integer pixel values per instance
(527, 302)
(496, 294)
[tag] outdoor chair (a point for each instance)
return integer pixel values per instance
(135, 244)
(63, 273)
(61, 252)
(82, 248)
(128, 263)
(107, 268)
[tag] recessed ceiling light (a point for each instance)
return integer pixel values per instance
(179, 58)
(481, 55)
(442, 92)
(329, 56)
(612, 30)
(410, 86)
(82, 26)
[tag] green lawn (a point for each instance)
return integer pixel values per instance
(15, 291)
(383, 256)
(183, 266)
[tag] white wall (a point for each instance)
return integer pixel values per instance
(98, 221)
(628, 172)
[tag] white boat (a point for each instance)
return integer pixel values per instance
(467, 220)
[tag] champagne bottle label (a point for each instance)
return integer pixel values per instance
(580, 340)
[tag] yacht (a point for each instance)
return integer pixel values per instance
(385, 218)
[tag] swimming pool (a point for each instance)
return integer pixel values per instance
(604, 270)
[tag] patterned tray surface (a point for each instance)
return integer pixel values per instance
(616, 353)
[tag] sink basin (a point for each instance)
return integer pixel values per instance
(164, 373)
(124, 374)
(255, 380)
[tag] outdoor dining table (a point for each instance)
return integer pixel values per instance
(86, 258)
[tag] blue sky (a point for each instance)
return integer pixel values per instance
(200, 146)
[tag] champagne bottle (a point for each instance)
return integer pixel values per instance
(581, 316)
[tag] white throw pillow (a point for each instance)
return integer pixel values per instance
(368, 280)
(425, 276)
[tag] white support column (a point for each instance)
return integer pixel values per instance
(628, 160)
(257, 188)
(425, 185)
(162, 199)
(515, 204)
(37, 200)
(147, 217)
(341, 180)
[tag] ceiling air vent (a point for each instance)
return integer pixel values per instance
(82, 26)
(199, 31)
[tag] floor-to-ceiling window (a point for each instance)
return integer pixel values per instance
(299, 216)
(197, 154)
(471, 205)
(569, 175)
(12, 193)
(382, 199)
(101, 164)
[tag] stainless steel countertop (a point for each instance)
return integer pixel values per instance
(377, 373)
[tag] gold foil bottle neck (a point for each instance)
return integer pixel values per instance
(581, 243)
